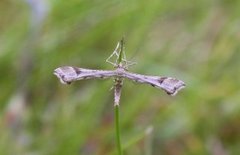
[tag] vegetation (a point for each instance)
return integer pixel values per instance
(197, 42)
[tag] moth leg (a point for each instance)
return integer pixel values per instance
(130, 63)
(126, 62)
(108, 60)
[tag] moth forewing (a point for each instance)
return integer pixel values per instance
(170, 85)
(68, 74)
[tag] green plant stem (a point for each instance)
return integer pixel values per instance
(118, 141)
(119, 60)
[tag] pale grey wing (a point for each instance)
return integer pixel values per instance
(68, 74)
(170, 85)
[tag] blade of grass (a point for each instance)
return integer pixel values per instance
(118, 140)
(118, 87)
(121, 51)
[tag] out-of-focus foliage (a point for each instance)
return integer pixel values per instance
(196, 41)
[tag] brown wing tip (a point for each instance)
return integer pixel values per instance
(60, 76)
(180, 85)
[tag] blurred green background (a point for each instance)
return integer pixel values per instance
(195, 41)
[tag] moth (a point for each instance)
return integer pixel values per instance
(69, 74)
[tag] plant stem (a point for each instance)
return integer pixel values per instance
(118, 141)
(117, 93)
(119, 60)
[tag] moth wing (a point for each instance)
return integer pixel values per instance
(68, 74)
(170, 85)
